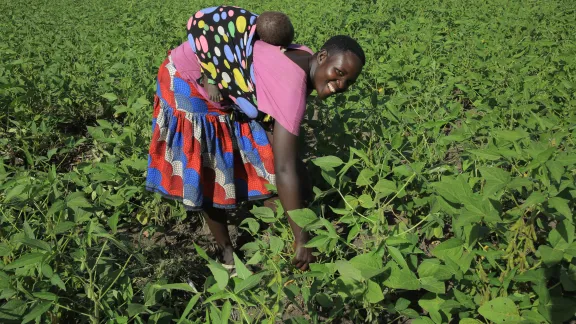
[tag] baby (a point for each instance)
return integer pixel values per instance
(272, 27)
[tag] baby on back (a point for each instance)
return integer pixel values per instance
(275, 28)
(272, 27)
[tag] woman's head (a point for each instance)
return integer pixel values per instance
(336, 66)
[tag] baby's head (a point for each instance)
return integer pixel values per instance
(275, 28)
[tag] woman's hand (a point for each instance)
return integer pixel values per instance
(302, 256)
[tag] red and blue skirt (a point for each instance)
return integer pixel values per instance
(200, 154)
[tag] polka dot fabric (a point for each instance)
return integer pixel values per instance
(223, 39)
(198, 155)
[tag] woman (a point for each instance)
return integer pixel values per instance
(211, 156)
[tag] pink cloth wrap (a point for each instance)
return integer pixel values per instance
(280, 83)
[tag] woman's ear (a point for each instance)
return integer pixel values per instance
(322, 56)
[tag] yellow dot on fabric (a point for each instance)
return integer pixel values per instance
(224, 84)
(225, 38)
(210, 68)
(227, 64)
(241, 24)
(201, 24)
(240, 80)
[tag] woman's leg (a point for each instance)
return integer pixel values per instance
(217, 220)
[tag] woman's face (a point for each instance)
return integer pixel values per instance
(335, 73)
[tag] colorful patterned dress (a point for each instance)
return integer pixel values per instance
(198, 154)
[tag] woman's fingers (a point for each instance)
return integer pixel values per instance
(303, 258)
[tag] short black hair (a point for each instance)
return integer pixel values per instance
(275, 28)
(343, 43)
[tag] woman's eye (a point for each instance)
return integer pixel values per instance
(339, 72)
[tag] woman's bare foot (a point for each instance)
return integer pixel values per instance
(212, 90)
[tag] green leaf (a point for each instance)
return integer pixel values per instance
(470, 321)
(110, 96)
(500, 310)
(324, 300)
(423, 320)
(510, 135)
(348, 271)
(433, 285)
(57, 206)
(433, 268)
(63, 227)
(397, 256)
(561, 205)
(366, 201)
(464, 299)
(318, 241)
(276, 244)
(25, 260)
(253, 225)
(113, 222)
(201, 252)
(374, 292)
(13, 310)
(534, 199)
(364, 178)
(77, 199)
(55, 280)
(16, 192)
(450, 249)
(4, 249)
(47, 270)
(486, 154)
(453, 190)
(536, 275)
(369, 264)
(329, 176)
(220, 274)
(496, 180)
(533, 317)
(189, 308)
(241, 269)
(34, 243)
(557, 309)
(327, 162)
(401, 304)
(401, 279)
(302, 217)
(385, 187)
(175, 286)
(135, 309)
(249, 282)
(45, 295)
(549, 255)
(226, 311)
(37, 311)
(263, 213)
(556, 170)
(567, 159)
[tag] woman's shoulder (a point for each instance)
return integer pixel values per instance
(301, 49)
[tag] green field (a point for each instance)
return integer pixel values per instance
(444, 179)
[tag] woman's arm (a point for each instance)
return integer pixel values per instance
(285, 146)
